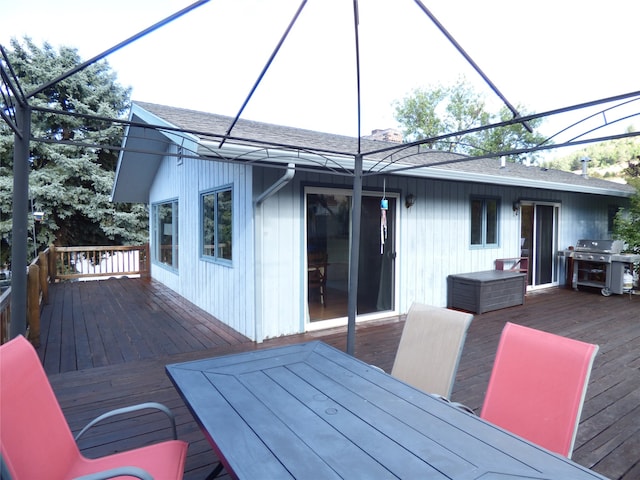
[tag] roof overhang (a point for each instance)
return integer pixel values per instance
(347, 163)
(142, 151)
(146, 143)
(452, 175)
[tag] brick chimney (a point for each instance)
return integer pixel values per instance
(386, 135)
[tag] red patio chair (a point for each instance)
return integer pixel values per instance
(36, 441)
(537, 386)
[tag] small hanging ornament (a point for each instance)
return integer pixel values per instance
(384, 206)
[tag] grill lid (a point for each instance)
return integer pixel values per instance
(604, 246)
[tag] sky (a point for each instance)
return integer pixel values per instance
(541, 55)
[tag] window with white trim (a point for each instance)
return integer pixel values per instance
(484, 221)
(165, 235)
(217, 231)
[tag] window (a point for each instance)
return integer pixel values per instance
(217, 229)
(165, 234)
(484, 222)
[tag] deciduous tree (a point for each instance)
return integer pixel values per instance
(438, 110)
(627, 221)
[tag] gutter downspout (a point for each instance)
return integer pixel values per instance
(282, 181)
(259, 229)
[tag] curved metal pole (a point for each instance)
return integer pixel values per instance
(263, 72)
(115, 48)
(471, 62)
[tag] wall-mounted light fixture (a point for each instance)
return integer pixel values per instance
(516, 207)
(410, 200)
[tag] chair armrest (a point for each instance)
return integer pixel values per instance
(458, 405)
(464, 408)
(133, 408)
(118, 472)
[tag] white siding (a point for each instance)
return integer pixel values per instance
(280, 280)
(433, 238)
(225, 291)
(261, 295)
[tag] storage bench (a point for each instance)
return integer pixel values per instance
(481, 292)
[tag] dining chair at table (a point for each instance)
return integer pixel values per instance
(36, 441)
(430, 348)
(317, 273)
(538, 385)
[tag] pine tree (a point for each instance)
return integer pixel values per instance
(70, 182)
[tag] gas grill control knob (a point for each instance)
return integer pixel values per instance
(590, 257)
(602, 258)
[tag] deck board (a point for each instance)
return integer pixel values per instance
(105, 345)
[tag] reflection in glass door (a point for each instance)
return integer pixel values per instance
(328, 227)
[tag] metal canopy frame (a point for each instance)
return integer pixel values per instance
(389, 158)
(16, 112)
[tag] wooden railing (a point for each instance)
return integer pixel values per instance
(37, 292)
(68, 263)
(88, 262)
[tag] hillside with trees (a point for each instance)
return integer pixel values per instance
(608, 160)
(615, 160)
(440, 110)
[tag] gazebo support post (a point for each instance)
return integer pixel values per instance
(352, 308)
(20, 223)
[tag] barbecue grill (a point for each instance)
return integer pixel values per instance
(600, 264)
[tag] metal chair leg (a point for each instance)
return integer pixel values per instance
(216, 471)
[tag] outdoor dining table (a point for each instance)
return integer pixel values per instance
(310, 411)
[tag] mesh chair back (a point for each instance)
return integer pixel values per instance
(430, 348)
(537, 386)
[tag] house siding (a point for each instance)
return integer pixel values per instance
(226, 291)
(279, 279)
(433, 238)
(262, 293)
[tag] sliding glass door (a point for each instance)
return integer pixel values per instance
(539, 241)
(328, 241)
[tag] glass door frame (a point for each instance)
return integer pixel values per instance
(341, 321)
(534, 248)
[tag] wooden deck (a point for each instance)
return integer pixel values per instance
(105, 345)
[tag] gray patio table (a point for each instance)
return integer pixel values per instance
(310, 411)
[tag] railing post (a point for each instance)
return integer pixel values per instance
(53, 269)
(44, 276)
(147, 261)
(33, 304)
